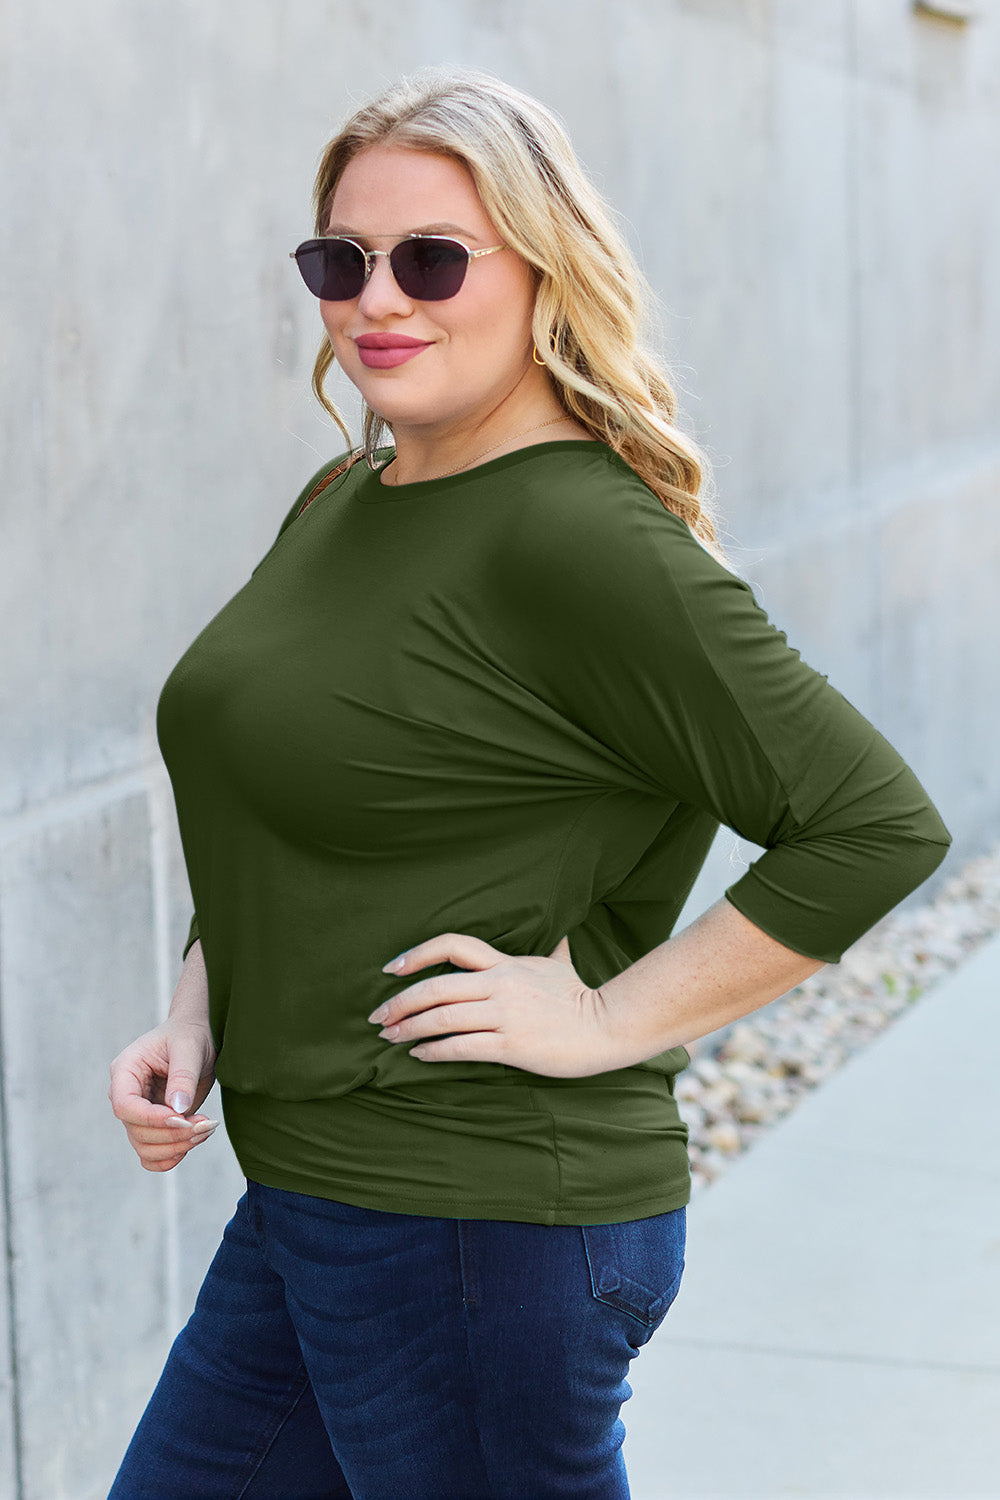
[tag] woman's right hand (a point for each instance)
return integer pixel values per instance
(178, 1056)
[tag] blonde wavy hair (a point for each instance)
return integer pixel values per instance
(592, 303)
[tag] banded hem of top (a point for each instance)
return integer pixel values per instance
(477, 1208)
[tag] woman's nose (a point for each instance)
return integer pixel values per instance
(382, 293)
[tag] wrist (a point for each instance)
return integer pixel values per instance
(717, 970)
(190, 998)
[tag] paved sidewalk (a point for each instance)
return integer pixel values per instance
(837, 1331)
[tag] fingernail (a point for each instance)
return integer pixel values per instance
(377, 1016)
(206, 1129)
(395, 963)
(180, 1102)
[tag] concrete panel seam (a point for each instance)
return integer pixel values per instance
(79, 803)
(160, 811)
(8, 1261)
(831, 1356)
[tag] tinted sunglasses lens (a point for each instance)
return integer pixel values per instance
(332, 269)
(429, 270)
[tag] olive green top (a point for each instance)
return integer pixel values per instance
(515, 702)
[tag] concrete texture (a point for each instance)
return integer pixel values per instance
(77, 967)
(807, 187)
(837, 1331)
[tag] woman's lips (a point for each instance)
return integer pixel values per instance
(385, 359)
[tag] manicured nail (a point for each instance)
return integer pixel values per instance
(378, 1016)
(205, 1129)
(180, 1102)
(395, 963)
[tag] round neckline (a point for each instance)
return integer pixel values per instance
(371, 490)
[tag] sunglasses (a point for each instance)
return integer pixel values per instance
(427, 267)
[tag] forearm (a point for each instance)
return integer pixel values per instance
(718, 969)
(190, 1000)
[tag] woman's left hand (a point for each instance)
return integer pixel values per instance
(527, 1011)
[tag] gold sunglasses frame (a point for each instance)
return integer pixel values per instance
(370, 255)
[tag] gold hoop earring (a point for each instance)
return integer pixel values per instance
(534, 355)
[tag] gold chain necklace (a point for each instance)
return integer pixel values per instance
(551, 423)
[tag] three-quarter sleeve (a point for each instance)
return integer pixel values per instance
(665, 658)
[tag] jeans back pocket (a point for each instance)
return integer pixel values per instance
(636, 1266)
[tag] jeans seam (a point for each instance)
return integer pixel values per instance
(470, 1365)
(303, 1381)
(467, 1268)
(256, 1220)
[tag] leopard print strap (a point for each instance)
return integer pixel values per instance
(328, 479)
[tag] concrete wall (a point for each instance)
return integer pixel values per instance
(812, 188)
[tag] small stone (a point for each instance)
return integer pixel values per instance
(723, 1136)
(755, 1109)
(706, 1069)
(694, 1117)
(720, 1096)
(754, 1073)
(712, 1165)
(744, 1044)
(687, 1087)
(741, 1072)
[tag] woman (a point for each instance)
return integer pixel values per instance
(482, 705)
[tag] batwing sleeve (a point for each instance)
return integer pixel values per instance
(665, 658)
(642, 911)
(293, 509)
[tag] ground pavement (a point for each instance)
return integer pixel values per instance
(837, 1331)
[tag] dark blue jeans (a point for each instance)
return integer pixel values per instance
(356, 1354)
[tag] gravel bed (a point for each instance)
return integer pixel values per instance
(749, 1074)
